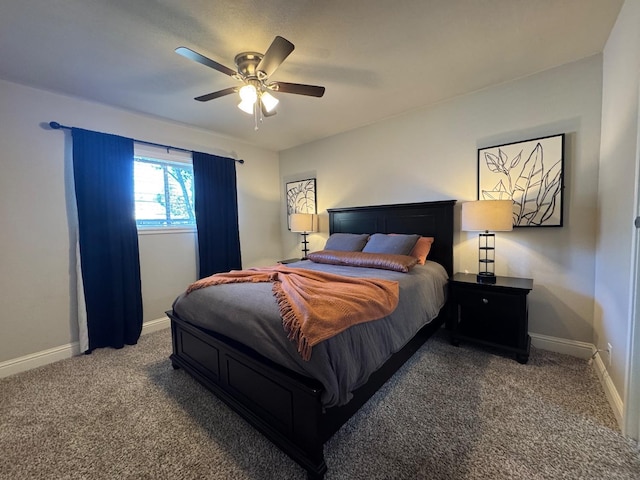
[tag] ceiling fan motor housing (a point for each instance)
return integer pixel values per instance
(247, 62)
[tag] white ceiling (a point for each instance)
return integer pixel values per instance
(376, 58)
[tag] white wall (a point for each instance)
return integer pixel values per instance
(35, 246)
(431, 154)
(618, 191)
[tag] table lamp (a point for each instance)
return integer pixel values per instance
(304, 223)
(487, 216)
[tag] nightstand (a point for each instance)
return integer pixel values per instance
(493, 314)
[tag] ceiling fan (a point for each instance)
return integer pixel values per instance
(254, 70)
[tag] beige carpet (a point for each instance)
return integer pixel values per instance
(450, 413)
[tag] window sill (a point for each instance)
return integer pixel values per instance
(165, 230)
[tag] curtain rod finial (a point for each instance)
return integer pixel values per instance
(55, 125)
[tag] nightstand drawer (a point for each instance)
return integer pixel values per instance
(491, 317)
(487, 301)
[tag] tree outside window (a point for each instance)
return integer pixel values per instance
(163, 193)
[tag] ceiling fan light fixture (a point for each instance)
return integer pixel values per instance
(248, 93)
(247, 106)
(269, 101)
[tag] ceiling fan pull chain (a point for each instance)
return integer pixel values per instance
(255, 115)
(259, 107)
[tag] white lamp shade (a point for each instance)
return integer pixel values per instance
(269, 101)
(303, 222)
(248, 96)
(487, 215)
(246, 106)
(248, 93)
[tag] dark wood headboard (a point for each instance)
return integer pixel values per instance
(429, 219)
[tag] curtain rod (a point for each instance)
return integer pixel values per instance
(57, 126)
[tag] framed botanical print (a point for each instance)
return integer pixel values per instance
(531, 173)
(301, 197)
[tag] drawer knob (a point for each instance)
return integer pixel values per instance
(485, 300)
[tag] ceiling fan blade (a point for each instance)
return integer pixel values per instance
(218, 94)
(279, 49)
(265, 113)
(300, 89)
(196, 57)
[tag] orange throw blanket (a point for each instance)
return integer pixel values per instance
(316, 305)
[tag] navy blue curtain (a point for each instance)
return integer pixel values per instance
(216, 206)
(109, 256)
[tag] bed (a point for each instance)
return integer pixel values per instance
(291, 408)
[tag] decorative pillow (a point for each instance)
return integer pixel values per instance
(393, 244)
(383, 261)
(347, 242)
(422, 249)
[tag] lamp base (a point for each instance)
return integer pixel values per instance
(305, 246)
(486, 277)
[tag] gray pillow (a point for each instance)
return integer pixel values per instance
(346, 242)
(395, 244)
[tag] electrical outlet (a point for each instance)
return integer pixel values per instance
(610, 351)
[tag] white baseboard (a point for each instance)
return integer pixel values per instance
(155, 325)
(562, 345)
(610, 390)
(584, 350)
(45, 357)
(38, 359)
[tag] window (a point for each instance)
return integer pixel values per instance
(163, 189)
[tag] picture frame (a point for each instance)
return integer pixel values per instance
(300, 196)
(529, 172)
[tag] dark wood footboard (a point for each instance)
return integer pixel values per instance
(283, 405)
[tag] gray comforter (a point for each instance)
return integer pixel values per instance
(248, 313)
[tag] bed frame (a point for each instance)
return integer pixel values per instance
(284, 405)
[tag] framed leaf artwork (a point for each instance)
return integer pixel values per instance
(531, 173)
(301, 197)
